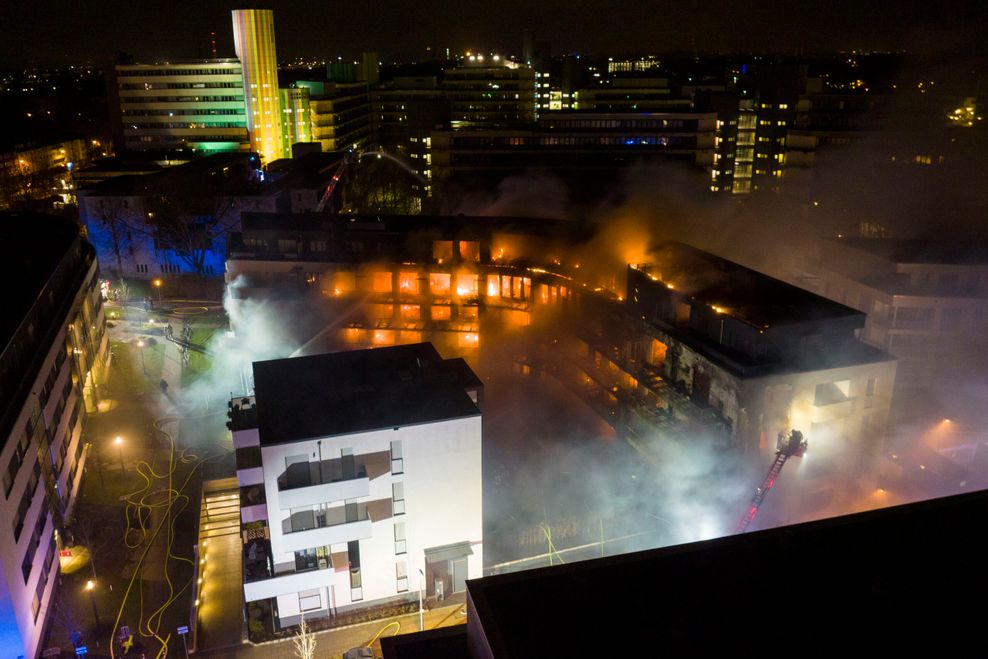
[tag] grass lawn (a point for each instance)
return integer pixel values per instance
(199, 364)
(133, 374)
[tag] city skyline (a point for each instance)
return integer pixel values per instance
(307, 30)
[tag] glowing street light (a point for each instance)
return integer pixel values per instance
(118, 442)
(157, 284)
(140, 345)
(91, 587)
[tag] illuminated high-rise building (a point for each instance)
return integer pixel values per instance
(296, 116)
(253, 38)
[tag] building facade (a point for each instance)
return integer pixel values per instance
(197, 105)
(493, 94)
(926, 303)
(586, 149)
(55, 351)
(340, 114)
(345, 492)
(253, 38)
(137, 236)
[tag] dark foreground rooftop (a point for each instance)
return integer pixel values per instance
(887, 579)
(359, 390)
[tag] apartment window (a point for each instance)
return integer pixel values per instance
(398, 498)
(830, 393)
(870, 387)
(397, 463)
(401, 544)
(349, 465)
(25, 504)
(16, 460)
(356, 583)
(401, 576)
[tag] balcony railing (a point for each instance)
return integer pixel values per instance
(305, 521)
(306, 474)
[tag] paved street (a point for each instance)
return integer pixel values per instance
(333, 643)
(220, 622)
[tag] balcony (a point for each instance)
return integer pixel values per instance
(336, 525)
(253, 504)
(832, 401)
(288, 583)
(308, 483)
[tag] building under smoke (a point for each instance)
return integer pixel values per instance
(701, 347)
(360, 480)
(764, 357)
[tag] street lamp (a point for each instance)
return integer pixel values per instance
(157, 284)
(91, 587)
(140, 345)
(118, 441)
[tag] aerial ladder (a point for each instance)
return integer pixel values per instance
(793, 446)
(348, 159)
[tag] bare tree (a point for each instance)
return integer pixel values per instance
(379, 186)
(115, 231)
(304, 641)
(190, 215)
(90, 530)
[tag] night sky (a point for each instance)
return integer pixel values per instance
(59, 32)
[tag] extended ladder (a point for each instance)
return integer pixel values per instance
(794, 445)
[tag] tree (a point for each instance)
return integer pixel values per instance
(190, 214)
(304, 641)
(380, 186)
(114, 231)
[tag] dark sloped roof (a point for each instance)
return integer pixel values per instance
(745, 294)
(31, 247)
(345, 392)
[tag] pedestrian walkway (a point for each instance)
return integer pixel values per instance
(332, 643)
(220, 592)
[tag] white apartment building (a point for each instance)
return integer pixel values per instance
(53, 350)
(926, 303)
(360, 477)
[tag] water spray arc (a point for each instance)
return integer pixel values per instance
(350, 159)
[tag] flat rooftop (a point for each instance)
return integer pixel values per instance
(737, 291)
(359, 390)
(891, 576)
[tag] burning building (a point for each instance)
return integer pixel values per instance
(696, 346)
(346, 462)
